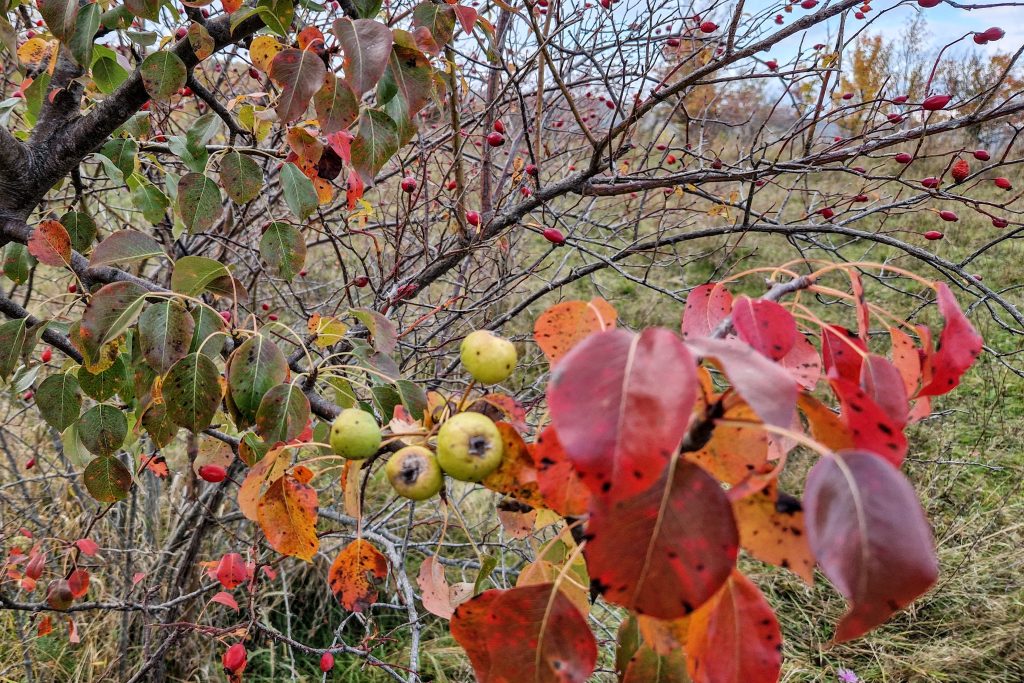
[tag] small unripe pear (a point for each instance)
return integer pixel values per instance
(414, 473)
(469, 446)
(355, 434)
(487, 357)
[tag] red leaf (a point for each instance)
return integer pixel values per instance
(883, 383)
(78, 582)
(367, 46)
(621, 403)
(870, 427)
(300, 73)
(530, 633)
(706, 307)
(467, 17)
(765, 325)
(225, 598)
(231, 571)
(51, 244)
(87, 546)
(959, 345)
(45, 627)
(839, 352)
(764, 385)
(666, 551)
(341, 143)
(870, 536)
(354, 189)
(735, 637)
(559, 484)
(565, 325)
(803, 363)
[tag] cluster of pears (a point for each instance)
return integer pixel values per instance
(469, 445)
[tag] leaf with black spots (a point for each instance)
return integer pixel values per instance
(241, 177)
(336, 105)
(111, 311)
(50, 243)
(300, 73)
(192, 392)
(958, 347)
(163, 74)
(107, 479)
(199, 202)
(842, 352)
(706, 307)
(765, 325)
(105, 383)
(102, 429)
(253, 369)
(564, 325)
(357, 575)
(124, 247)
(559, 485)
(59, 400)
(283, 248)
(870, 427)
(165, 332)
(283, 413)
(13, 335)
(771, 526)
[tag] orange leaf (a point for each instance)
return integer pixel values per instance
(906, 359)
(734, 453)
(564, 325)
(356, 575)
(45, 627)
(665, 636)
(826, 427)
(516, 476)
(51, 244)
(287, 515)
(772, 530)
(439, 597)
(266, 470)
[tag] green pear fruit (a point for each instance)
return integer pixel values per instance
(469, 446)
(414, 473)
(355, 434)
(487, 357)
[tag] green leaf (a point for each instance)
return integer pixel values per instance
(337, 106)
(81, 229)
(72, 445)
(284, 249)
(147, 198)
(85, 32)
(105, 383)
(439, 19)
(194, 157)
(300, 73)
(107, 479)
(486, 567)
(192, 274)
(111, 311)
(199, 202)
(35, 95)
(59, 400)
(110, 168)
(276, 14)
(125, 246)
(144, 9)
(192, 392)
(254, 367)
(241, 177)
(16, 263)
(107, 74)
(12, 344)
(163, 74)
(210, 332)
(158, 424)
(410, 77)
(298, 191)
(59, 16)
(414, 398)
(102, 429)
(367, 9)
(122, 152)
(367, 44)
(385, 398)
(165, 332)
(283, 413)
(374, 144)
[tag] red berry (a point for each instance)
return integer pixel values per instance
(253, 73)
(1000, 222)
(30, 35)
(1003, 183)
(772, 65)
(995, 33)
(859, 169)
(265, 307)
(302, 273)
(473, 218)
(499, 127)
(847, 95)
(933, 235)
(525, 191)
(779, 19)
(327, 662)
(981, 155)
(948, 216)
(716, 164)
(606, 4)
(408, 184)
(672, 42)
(46, 355)
(226, 315)
(181, 33)
(234, 659)
(272, 317)
(213, 473)
(452, 185)
(361, 281)
(206, 13)
(900, 99)
(809, 4)
(858, 15)
(554, 236)
(531, 170)
(670, 159)
(980, 39)
(72, 288)
(187, 92)
(860, 198)
(708, 27)
(495, 139)
(826, 213)
(960, 170)
(930, 183)
(903, 158)
(928, 3)
(27, 395)
(894, 118)
(935, 102)
(29, 465)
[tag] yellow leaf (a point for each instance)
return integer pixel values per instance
(262, 51)
(328, 331)
(268, 469)
(34, 51)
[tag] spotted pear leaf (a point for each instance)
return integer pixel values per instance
(870, 535)
(165, 331)
(337, 106)
(868, 424)
(102, 429)
(958, 347)
(282, 414)
(300, 73)
(842, 352)
(376, 141)
(59, 400)
(283, 248)
(366, 44)
(557, 481)
(13, 335)
(254, 368)
(51, 244)
(241, 177)
(706, 307)
(357, 575)
(681, 538)
(765, 325)
(287, 515)
(123, 247)
(771, 526)
(107, 479)
(620, 403)
(199, 202)
(564, 325)
(163, 74)
(110, 311)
